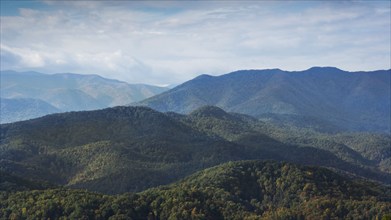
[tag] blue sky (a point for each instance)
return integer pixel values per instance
(168, 42)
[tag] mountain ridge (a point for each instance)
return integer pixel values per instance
(20, 109)
(70, 91)
(355, 101)
(140, 147)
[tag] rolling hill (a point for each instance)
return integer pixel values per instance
(66, 92)
(234, 190)
(112, 150)
(124, 149)
(335, 99)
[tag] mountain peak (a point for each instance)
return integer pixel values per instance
(209, 111)
(324, 69)
(203, 76)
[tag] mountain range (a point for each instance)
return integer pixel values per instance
(324, 97)
(254, 144)
(124, 149)
(26, 95)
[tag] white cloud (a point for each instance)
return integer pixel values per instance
(158, 43)
(23, 56)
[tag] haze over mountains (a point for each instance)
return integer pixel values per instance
(325, 96)
(26, 95)
(20, 109)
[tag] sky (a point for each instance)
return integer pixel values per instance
(169, 42)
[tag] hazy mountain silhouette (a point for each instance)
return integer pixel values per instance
(67, 92)
(19, 109)
(333, 97)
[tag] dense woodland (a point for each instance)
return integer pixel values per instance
(137, 163)
(234, 190)
(251, 144)
(130, 149)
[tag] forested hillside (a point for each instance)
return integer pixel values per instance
(124, 149)
(246, 114)
(235, 190)
(362, 149)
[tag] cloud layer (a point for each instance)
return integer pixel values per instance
(170, 42)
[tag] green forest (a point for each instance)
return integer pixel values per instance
(137, 163)
(195, 110)
(130, 149)
(234, 190)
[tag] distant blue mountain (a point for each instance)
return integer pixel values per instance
(23, 109)
(66, 92)
(337, 98)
